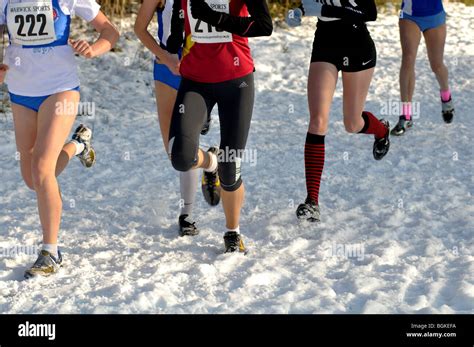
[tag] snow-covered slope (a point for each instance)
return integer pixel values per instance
(407, 220)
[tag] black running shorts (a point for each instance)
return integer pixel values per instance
(348, 46)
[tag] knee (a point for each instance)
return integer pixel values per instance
(25, 164)
(318, 124)
(351, 125)
(183, 157)
(29, 182)
(230, 175)
(437, 68)
(41, 171)
(182, 162)
(408, 61)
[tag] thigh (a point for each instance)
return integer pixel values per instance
(165, 100)
(25, 121)
(322, 81)
(355, 89)
(189, 115)
(55, 120)
(235, 100)
(435, 40)
(410, 37)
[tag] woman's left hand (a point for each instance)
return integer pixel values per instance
(82, 48)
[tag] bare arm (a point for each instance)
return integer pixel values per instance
(145, 16)
(107, 40)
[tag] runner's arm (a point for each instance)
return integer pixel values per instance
(365, 13)
(258, 24)
(176, 38)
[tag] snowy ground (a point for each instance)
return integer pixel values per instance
(409, 218)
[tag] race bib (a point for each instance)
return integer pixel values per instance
(202, 32)
(31, 23)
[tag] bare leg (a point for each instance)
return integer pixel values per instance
(25, 134)
(165, 99)
(410, 37)
(67, 153)
(52, 131)
(435, 40)
(356, 87)
(232, 203)
(322, 82)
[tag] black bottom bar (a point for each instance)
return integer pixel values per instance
(145, 330)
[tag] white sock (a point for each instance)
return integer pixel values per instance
(237, 230)
(51, 248)
(79, 147)
(213, 164)
(189, 181)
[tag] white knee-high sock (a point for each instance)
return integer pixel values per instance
(189, 181)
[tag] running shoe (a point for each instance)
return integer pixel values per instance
(211, 186)
(448, 110)
(402, 126)
(45, 265)
(187, 227)
(309, 211)
(233, 242)
(382, 145)
(84, 135)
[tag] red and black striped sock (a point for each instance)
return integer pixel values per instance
(314, 153)
(373, 126)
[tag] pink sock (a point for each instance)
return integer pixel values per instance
(406, 110)
(445, 95)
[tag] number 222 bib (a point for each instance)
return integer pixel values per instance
(31, 23)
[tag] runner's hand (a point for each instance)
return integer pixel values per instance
(201, 10)
(82, 48)
(173, 63)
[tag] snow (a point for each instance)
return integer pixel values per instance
(402, 228)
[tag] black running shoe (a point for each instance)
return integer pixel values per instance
(309, 211)
(382, 145)
(207, 126)
(45, 265)
(211, 186)
(402, 126)
(187, 227)
(448, 111)
(233, 242)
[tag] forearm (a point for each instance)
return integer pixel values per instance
(364, 14)
(107, 40)
(258, 24)
(149, 42)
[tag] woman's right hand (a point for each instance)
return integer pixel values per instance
(3, 72)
